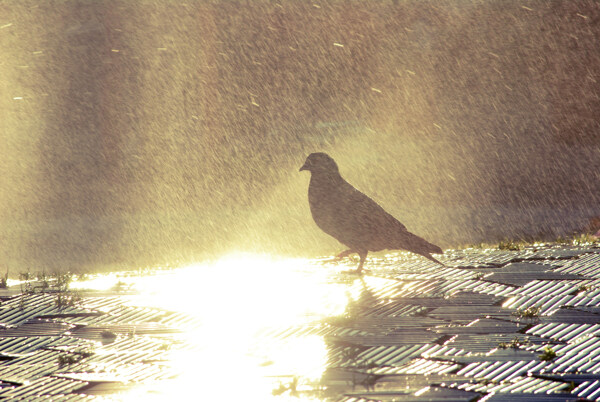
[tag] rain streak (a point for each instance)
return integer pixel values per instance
(156, 239)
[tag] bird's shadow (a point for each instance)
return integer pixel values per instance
(364, 299)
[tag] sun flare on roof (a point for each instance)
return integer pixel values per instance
(245, 311)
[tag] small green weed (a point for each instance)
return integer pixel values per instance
(509, 245)
(583, 239)
(67, 299)
(516, 343)
(67, 359)
(584, 288)
(529, 312)
(4, 281)
(548, 355)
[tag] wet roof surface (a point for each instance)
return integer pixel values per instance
(515, 325)
(506, 325)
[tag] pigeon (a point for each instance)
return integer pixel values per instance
(354, 219)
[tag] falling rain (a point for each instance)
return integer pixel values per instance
(156, 237)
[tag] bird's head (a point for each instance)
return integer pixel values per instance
(320, 162)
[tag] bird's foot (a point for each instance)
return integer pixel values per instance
(343, 254)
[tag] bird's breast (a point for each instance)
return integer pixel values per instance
(327, 209)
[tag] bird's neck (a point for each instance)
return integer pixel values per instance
(324, 183)
(325, 178)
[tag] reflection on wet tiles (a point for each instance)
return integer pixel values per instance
(483, 326)
(478, 345)
(43, 386)
(518, 385)
(589, 390)
(588, 265)
(564, 332)
(408, 329)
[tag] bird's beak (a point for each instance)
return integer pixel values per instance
(304, 167)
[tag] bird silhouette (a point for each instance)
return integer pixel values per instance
(354, 219)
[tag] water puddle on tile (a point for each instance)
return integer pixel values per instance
(253, 325)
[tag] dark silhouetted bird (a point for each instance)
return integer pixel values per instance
(354, 219)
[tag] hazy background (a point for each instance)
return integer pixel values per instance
(138, 133)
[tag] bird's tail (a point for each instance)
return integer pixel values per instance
(422, 247)
(430, 257)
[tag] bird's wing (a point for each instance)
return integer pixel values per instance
(351, 217)
(370, 223)
(379, 230)
(369, 212)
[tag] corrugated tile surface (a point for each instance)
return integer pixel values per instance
(51, 351)
(14, 346)
(304, 330)
(582, 356)
(531, 385)
(483, 326)
(573, 315)
(59, 398)
(512, 397)
(118, 372)
(486, 315)
(588, 265)
(500, 370)
(549, 304)
(545, 288)
(424, 367)
(20, 374)
(21, 309)
(37, 328)
(564, 332)
(400, 337)
(482, 257)
(559, 252)
(476, 328)
(44, 386)
(485, 343)
(390, 308)
(589, 390)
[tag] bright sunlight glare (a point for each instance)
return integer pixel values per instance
(241, 303)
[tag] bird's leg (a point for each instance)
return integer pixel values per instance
(343, 254)
(363, 257)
